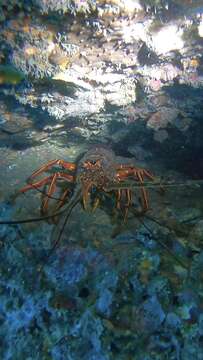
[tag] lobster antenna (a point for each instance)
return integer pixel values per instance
(147, 184)
(41, 191)
(166, 248)
(58, 239)
(42, 218)
(124, 185)
(151, 184)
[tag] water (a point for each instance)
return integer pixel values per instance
(123, 77)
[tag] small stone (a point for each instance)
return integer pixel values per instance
(161, 135)
(162, 118)
(151, 315)
(197, 232)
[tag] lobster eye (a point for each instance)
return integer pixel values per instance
(91, 164)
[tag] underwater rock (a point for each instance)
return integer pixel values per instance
(89, 330)
(162, 118)
(9, 7)
(160, 135)
(139, 152)
(189, 305)
(172, 322)
(138, 289)
(67, 269)
(200, 28)
(61, 106)
(73, 94)
(150, 315)
(192, 349)
(35, 50)
(200, 322)
(160, 75)
(197, 233)
(197, 267)
(61, 351)
(173, 34)
(120, 94)
(65, 6)
(104, 302)
(160, 287)
(102, 70)
(145, 238)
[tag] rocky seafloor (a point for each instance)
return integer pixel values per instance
(126, 75)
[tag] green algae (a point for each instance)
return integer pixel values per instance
(10, 76)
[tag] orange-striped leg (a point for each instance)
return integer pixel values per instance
(125, 171)
(118, 199)
(140, 174)
(64, 164)
(85, 194)
(46, 180)
(62, 200)
(37, 184)
(52, 189)
(51, 181)
(95, 204)
(144, 198)
(128, 195)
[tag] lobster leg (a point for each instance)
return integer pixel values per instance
(118, 199)
(85, 194)
(128, 196)
(51, 180)
(52, 189)
(140, 173)
(62, 199)
(145, 203)
(125, 171)
(46, 180)
(95, 204)
(64, 164)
